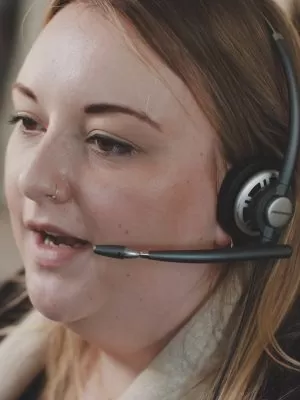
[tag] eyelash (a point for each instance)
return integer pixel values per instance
(116, 147)
(17, 118)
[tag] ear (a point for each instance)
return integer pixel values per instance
(222, 239)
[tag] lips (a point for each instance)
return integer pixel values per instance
(51, 247)
(55, 231)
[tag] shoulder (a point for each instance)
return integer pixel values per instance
(282, 382)
(14, 302)
(23, 342)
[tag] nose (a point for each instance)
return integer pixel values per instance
(46, 176)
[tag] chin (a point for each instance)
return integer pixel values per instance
(49, 308)
(51, 299)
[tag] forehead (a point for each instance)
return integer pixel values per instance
(80, 53)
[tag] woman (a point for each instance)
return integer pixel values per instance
(128, 116)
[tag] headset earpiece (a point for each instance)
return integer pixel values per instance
(237, 200)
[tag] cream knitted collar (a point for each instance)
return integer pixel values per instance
(188, 355)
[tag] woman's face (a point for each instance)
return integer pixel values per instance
(134, 162)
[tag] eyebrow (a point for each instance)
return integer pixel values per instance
(24, 90)
(98, 109)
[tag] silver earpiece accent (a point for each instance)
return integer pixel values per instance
(279, 212)
(250, 188)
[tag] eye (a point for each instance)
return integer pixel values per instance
(111, 146)
(28, 124)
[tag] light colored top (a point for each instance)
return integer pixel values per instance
(185, 358)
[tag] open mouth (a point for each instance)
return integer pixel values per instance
(52, 240)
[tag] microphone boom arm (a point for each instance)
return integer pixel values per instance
(264, 251)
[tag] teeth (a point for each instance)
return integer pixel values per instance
(49, 242)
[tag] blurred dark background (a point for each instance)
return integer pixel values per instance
(9, 18)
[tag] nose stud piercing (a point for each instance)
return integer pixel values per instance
(53, 196)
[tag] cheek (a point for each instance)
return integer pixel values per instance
(11, 174)
(12, 195)
(174, 210)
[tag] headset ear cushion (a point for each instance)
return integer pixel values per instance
(232, 185)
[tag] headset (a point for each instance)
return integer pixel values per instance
(255, 205)
(255, 201)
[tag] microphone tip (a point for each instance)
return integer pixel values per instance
(110, 251)
(115, 251)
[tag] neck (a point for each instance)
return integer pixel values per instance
(173, 365)
(112, 374)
